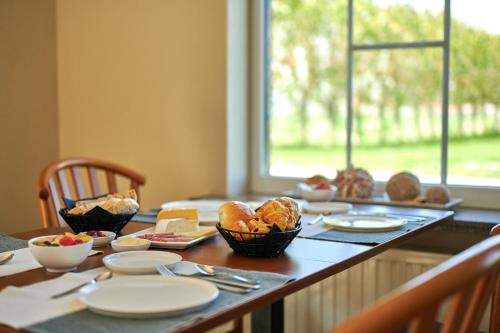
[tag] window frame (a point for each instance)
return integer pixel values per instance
(260, 179)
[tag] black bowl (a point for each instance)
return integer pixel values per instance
(96, 219)
(256, 244)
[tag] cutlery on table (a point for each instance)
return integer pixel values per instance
(6, 258)
(100, 277)
(210, 271)
(165, 271)
(316, 220)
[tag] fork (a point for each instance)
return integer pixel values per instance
(165, 271)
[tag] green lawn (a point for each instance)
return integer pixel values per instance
(473, 157)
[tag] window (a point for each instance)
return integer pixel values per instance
(387, 85)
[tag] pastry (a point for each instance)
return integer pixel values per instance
(353, 183)
(274, 212)
(316, 179)
(438, 194)
(293, 208)
(403, 186)
(118, 203)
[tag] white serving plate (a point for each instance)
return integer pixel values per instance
(139, 262)
(327, 208)
(364, 223)
(174, 245)
(148, 296)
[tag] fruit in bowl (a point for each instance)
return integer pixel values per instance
(101, 238)
(317, 192)
(61, 253)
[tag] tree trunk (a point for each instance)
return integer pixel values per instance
(430, 118)
(358, 117)
(475, 119)
(332, 115)
(304, 137)
(383, 124)
(398, 132)
(416, 122)
(460, 119)
(497, 119)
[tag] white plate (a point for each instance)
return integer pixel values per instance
(364, 223)
(148, 296)
(139, 262)
(207, 209)
(174, 245)
(327, 208)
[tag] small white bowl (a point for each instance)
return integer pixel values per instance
(61, 258)
(318, 195)
(104, 240)
(122, 248)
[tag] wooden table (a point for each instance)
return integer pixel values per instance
(308, 261)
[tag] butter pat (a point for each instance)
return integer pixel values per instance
(129, 241)
(177, 226)
(182, 213)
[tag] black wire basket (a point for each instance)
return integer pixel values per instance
(258, 244)
(96, 219)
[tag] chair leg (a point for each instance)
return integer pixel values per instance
(237, 326)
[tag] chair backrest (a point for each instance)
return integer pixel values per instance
(84, 176)
(495, 298)
(466, 281)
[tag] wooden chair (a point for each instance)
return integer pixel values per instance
(495, 298)
(53, 183)
(466, 280)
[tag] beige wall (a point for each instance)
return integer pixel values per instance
(143, 83)
(28, 107)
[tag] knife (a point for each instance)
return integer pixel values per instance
(316, 220)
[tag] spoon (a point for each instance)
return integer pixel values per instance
(210, 271)
(100, 277)
(6, 257)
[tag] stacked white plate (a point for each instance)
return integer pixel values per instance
(139, 262)
(327, 208)
(148, 296)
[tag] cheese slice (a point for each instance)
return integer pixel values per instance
(181, 213)
(177, 226)
(204, 231)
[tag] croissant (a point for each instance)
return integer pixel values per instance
(274, 212)
(293, 209)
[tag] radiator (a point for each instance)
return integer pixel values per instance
(322, 306)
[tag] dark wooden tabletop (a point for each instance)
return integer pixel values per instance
(308, 261)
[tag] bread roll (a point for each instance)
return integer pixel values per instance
(234, 211)
(438, 194)
(403, 186)
(316, 179)
(238, 226)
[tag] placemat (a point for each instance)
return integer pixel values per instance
(370, 238)
(87, 321)
(8, 243)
